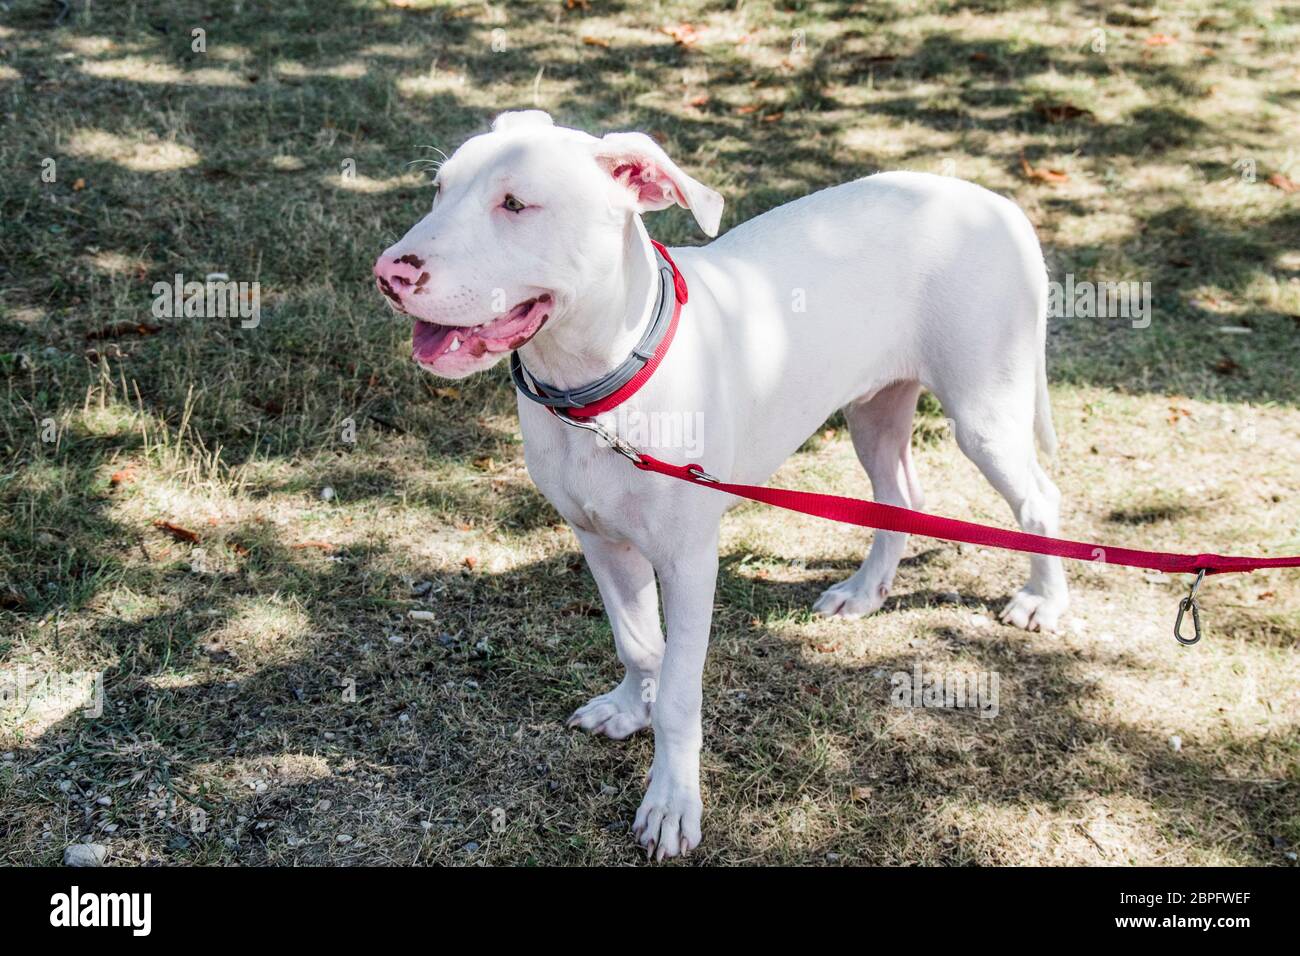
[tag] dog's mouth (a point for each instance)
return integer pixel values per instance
(430, 341)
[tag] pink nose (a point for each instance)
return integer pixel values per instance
(400, 277)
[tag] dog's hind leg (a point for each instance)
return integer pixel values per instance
(998, 438)
(881, 427)
(627, 587)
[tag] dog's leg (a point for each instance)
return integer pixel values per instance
(627, 586)
(882, 436)
(668, 821)
(1002, 446)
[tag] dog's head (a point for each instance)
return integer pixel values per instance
(524, 219)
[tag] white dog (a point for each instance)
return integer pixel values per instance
(854, 298)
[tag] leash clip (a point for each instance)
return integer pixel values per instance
(1183, 605)
(604, 434)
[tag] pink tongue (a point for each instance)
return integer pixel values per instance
(427, 339)
(518, 321)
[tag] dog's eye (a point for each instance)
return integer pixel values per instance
(511, 203)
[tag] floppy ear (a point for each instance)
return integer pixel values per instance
(637, 162)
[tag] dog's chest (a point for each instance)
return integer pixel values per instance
(590, 486)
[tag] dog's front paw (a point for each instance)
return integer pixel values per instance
(617, 715)
(1033, 612)
(851, 599)
(668, 821)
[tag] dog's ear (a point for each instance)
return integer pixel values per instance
(637, 162)
(516, 118)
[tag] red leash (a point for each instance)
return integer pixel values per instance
(871, 514)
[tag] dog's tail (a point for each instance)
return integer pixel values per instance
(1043, 430)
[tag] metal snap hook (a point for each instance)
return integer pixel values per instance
(1183, 606)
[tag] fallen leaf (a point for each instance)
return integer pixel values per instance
(1282, 182)
(746, 110)
(177, 532)
(596, 41)
(122, 477)
(979, 56)
(469, 562)
(1160, 39)
(773, 117)
(79, 185)
(683, 34)
(1042, 175)
(1060, 112)
(322, 545)
(448, 392)
(698, 101)
(1226, 366)
(485, 464)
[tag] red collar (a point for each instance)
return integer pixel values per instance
(557, 400)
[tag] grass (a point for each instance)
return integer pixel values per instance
(268, 697)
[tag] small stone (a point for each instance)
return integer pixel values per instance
(344, 838)
(85, 854)
(471, 847)
(327, 493)
(607, 790)
(8, 756)
(979, 620)
(1176, 743)
(421, 588)
(329, 735)
(422, 615)
(105, 801)
(948, 597)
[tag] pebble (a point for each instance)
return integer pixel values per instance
(344, 838)
(1176, 743)
(327, 493)
(422, 615)
(105, 801)
(8, 757)
(85, 854)
(979, 620)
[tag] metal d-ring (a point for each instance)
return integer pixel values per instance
(1183, 605)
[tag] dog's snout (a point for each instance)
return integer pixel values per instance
(400, 276)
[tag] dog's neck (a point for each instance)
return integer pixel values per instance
(600, 330)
